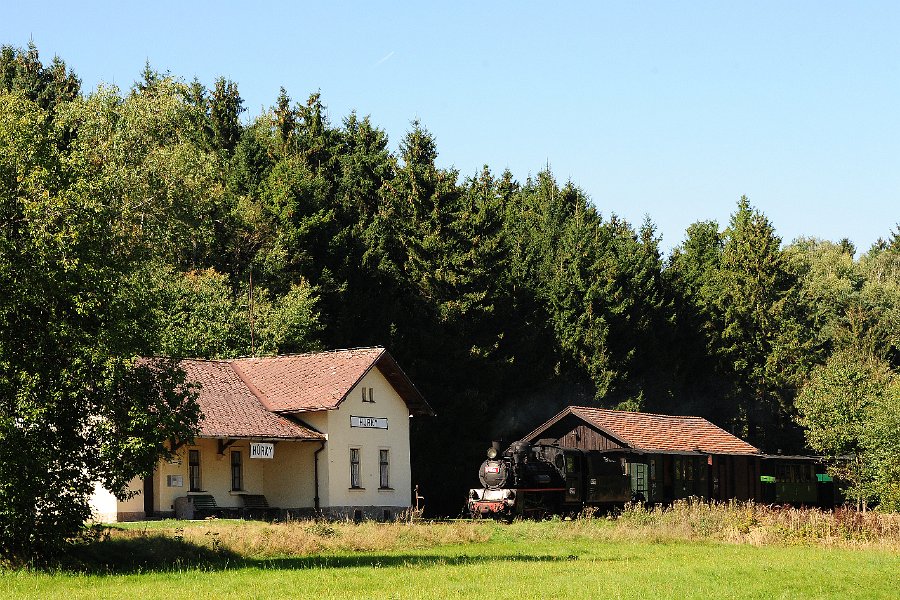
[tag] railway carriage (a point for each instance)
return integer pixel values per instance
(589, 457)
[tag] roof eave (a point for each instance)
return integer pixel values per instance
(407, 390)
(244, 436)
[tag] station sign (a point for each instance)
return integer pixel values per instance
(369, 422)
(262, 450)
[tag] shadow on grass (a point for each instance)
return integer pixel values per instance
(158, 554)
(142, 555)
(397, 560)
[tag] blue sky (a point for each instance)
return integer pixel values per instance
(669, 109)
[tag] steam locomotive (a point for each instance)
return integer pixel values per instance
(537, 480)
(542, 479)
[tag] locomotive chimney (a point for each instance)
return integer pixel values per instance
(496, 446)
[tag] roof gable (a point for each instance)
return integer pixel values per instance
(653, 432)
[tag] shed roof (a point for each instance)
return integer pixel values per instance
(652, 432)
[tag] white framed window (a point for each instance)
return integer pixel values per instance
(384, 469)
(354, 468)
(368, 395)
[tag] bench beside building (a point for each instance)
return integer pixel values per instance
(319, 433)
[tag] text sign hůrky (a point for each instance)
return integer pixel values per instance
(369, 422)
(262, 450)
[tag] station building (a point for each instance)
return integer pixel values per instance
(319, 433)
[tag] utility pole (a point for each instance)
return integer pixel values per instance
(252, 336)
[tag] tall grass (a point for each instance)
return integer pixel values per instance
(177, 544)
(750, 523)
(255, 539)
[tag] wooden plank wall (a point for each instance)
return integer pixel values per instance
(585, 438)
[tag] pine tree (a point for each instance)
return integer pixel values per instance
(761, 337)
(225, 108)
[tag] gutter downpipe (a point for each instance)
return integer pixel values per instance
(316, 476)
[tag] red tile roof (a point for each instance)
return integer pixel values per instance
(652, 432)
(302, 382)
(231, 410)
(254, 397)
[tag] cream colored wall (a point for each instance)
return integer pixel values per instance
(215, 475)
(319, 422)
(106, 508)
(164, 496)
(286, 480)
(289, 476)
(135, 504)
(341, 437)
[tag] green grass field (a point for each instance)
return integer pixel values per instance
(578, 559)
(508, 569)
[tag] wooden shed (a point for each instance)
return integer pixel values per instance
(672, 457)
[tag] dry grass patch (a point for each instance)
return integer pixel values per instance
(747, 522)
(217, 543)
(732, 522)
(299, 538)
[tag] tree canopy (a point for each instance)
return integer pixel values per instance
(161, 221)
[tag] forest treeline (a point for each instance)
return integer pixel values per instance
(158, 221)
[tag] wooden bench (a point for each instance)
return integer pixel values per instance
(256, 506)
(204, 506)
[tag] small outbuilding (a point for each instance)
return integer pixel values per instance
(679, 456)
(319, 433)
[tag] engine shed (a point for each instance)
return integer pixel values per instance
(671, 457)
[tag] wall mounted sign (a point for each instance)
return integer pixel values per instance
(369, 422)
(261, 450)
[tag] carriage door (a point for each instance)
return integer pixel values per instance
(639, 480)
(573, 477)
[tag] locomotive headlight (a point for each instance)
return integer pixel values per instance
(492, 453)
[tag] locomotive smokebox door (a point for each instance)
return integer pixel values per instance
(493, 474)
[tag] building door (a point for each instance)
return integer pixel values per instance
(148, 496)
(574, 483)
(639, 485)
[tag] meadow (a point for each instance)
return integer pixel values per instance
(687, 551)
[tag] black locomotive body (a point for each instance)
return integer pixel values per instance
(543, 479)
